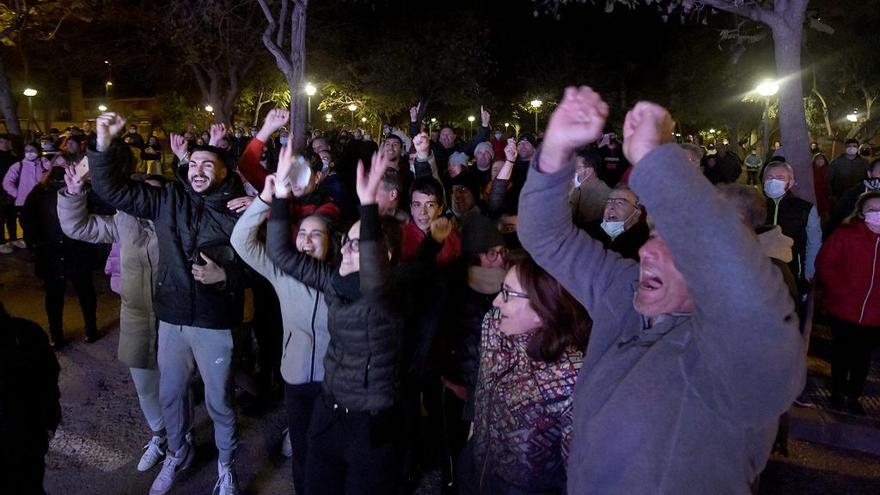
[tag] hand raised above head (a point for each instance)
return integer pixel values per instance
(578, 120)
(414, 113)
(107, 125)
(282, 173)
(422, 144)
(368, 182)
(218, 132)
(510, 152)
(646, 127)
(485, 116)
(277, 118)
(178, 145)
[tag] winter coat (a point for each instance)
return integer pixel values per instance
(187, 224)
(843, 173)
(23, 176)
(588, 202)
(56, 255)
(799, 220)
(685, 402)
(523, 418)
(848, 268)
(303, 309)
(29, 394)
(139, 264)
(413, 237)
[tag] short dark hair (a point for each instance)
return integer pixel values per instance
(394, 136)
(391, 180)
(218, 152)
(851, 141)
(428, 186)
(565, 322)
(592, 158)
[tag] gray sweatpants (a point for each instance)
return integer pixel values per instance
(180, 348)
(146, 382)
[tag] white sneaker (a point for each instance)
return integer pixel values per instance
(286, 448)
(18, 244)
(7, 248)
(155, 451)
(173, 465)
(227, 482)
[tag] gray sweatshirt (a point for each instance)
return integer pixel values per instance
(303, 309)
(690, 404)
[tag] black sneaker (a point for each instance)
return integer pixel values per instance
(855, 407)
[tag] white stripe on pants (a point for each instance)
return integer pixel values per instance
(146, 382)
(180, 348)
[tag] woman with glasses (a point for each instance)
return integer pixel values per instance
(353, 441)
(530, 354)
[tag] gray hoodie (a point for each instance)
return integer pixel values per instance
(690, 404)
(303, 309)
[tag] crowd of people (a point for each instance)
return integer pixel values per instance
(564, 313)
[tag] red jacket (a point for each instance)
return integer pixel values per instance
(848, 266)
(413, 237)
(249, 164)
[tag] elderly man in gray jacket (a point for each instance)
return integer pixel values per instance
(687, 371)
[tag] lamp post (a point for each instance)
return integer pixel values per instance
(767, 89)
(431, 126)
(471, 119)
(329, 118)
(536, 104)
(310, 91)
(506, 126)
(102, 107)
(30, 93)
(352, 108)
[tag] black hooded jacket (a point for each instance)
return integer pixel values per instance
(187, 224)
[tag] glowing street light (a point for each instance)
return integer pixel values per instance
(328, 117)
(767, 88)
(536, 104)
(30, 93)
(209, 108)
(102, 107)
(471, 120)
(310, 91)
(711, 131)
(352, 108)
(853, 117)
(364, 120)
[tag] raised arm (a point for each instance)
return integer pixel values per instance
(279, 247)
(482, 133)
(107, 165)
(73, 214)
(245, 239)
(752, 342)
(545, 229)
(374, 262)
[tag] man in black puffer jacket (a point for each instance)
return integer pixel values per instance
(198, 293)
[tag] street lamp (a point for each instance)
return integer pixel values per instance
(310, 91)
(431, 126)
(209, 108)
(471, 119)
(30, 93)
(107, 86)
(352, 108)
(506, 125)
(328, 117)
(102, 107)
(767, 89)
(536, 104)
(853, 117)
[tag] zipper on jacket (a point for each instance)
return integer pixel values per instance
(314, 336)
(194, 255)
(871, 287)
(367, 371)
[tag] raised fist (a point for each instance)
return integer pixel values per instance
(646, 127)
(414, 113)
(578, 120)
(218, 132)
(107, 125)
(485, 116)
(440, 228)
(510, 150)
(422, 144)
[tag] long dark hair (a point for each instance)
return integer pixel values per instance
(565, 322)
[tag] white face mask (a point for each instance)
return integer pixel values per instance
(498, 136)
(613, 229)
(852, 150)
(774, 188)
(577, 183)
(31, 155)
(872, 218)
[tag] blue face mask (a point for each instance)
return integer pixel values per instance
(283, 140)
(774, 188)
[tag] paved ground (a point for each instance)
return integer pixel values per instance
(101, 435)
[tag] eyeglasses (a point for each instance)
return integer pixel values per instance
(506, 294)
(618, 202)
(352, 243)
(494, 253)
(431, 205)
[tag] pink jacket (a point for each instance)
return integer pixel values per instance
(22, 177)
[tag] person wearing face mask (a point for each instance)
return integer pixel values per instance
(623, 228)
(498, 142)
(845, 171)
(798, 219)
(447, 142)
(845, 205)
(531, 350)
(19, 181)
(587, 197)
(134, 136)
(305, 323)
(849, 270)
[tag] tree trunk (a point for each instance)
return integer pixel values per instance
(787, 35)
(7, 103)
(296, 77)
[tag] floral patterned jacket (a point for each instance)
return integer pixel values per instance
(523, 412)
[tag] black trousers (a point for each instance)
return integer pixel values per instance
(22, 469)
(352, 452)
(752, 178)
(300, 403)
(9, 214)
(268, 331)
(88, 303)
(851, 356)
